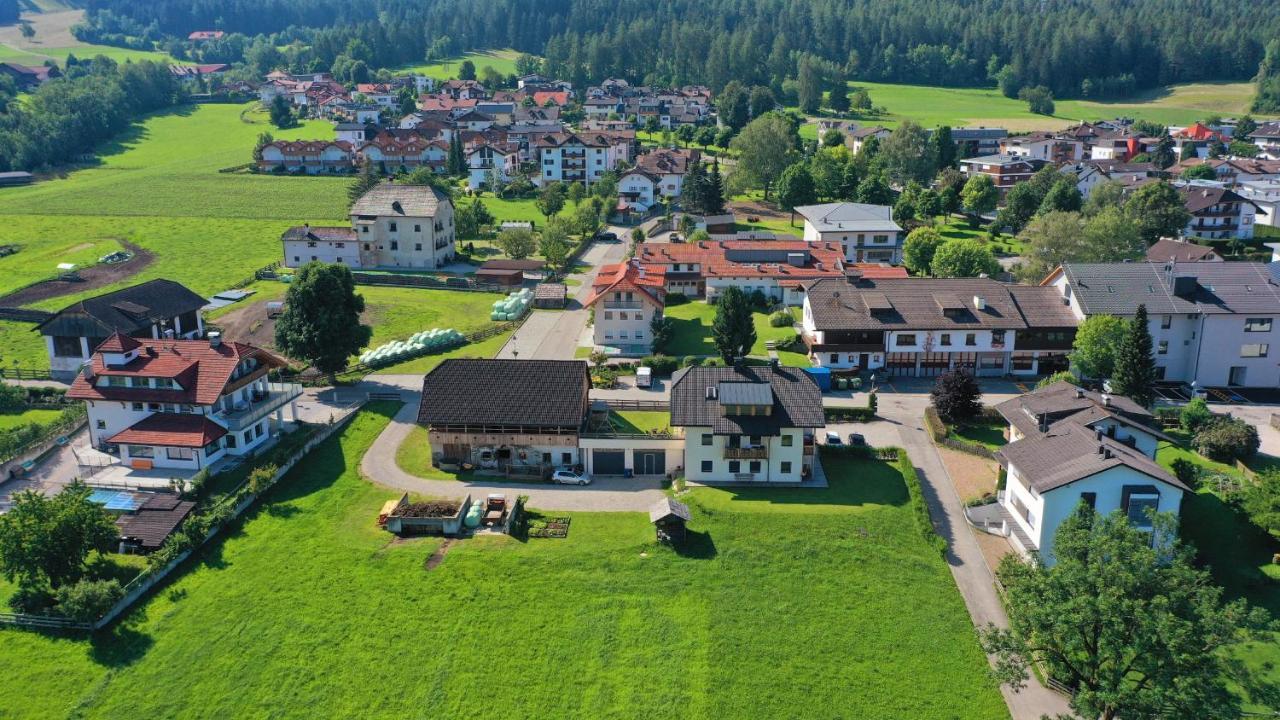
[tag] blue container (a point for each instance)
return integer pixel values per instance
(627, 472)
(821, 376)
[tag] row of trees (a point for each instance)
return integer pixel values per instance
(67, 117)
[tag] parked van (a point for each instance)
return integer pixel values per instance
(644, 377)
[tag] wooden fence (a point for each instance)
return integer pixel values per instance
(22, 374)
(659, 405)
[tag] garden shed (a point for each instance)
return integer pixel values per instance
(550, 296)
(669, 518)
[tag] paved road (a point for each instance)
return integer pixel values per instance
(612, 494)
(553, 335)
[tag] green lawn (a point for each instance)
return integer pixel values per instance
(640, 421)
(989, 434)
(504, 61)
(692, 334)
(958, 107)
(10, 420)
(1238, 552)
(38, 56)
(309, 605)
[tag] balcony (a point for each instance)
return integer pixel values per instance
(746, 453)
(261, 405)
(623, 305)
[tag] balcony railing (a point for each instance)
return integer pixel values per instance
(623, 304)
(747, 453)
(260, 406)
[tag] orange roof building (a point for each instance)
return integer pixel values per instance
(625, 298)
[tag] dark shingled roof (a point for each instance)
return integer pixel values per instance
(1064, 402)
(126, 311)
(1166, 249)
(529, 393)
(934, 304)
(155, 520)
(796, 400)
(1220, 288)
(1069, 452)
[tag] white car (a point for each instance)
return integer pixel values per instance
(569, 477)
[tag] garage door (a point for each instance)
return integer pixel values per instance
(608, 462)
(651, 462)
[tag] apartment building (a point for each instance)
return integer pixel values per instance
(392, 226)
(865, 233)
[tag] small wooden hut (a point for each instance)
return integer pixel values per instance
(669, 518)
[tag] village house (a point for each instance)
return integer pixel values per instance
(625, 298)
(1212, 323)
(383, 95)
(1216, 212)
(392, 226)
(1197, 135)
(746, 424)
(857, 139)
(312, 157)
(1267, 138)
(26, 77)
(1265, 196)
(1044, 146)
(1169, 249)
(866, 233)
(181, 404)
(1069, 446)
(657, 175)
(1005, 170)
(922, 327)
(490, 162)
(1234, 170)
(505, 415)
(777, 268)
(203, 35)
(392, 152)
(151, 309)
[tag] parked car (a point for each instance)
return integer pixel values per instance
(833, 438)
(569, 477)
(857, 440)
(607, 237)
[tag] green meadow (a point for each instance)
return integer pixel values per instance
(307, 605)
(504, 61)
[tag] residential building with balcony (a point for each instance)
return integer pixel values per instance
(921, 327)
(1216, 212)
(658, 175)
(865, 233)
(1265, 196)
(489, 162)
(1267, 138)
(1005, 170)
(181, 404)
(746, 424)
(1069, 447)
(152, 309)
(1213, 324)
(625, 298)
(1044, 146)
(313, 157)
(579, 157)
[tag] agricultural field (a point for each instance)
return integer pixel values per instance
(958, 107)
(52, 21)
(603, 624)
(1238, 552)
(504, 61)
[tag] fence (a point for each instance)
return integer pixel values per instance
(941, 435)
(140, 585)
(41, 444)
(428, 281)
(660, 405)
(21, 374)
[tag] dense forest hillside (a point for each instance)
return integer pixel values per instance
(1090, 48)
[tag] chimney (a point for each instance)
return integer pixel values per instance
(1106, 400)
(1106, 453)
(1079, 393)
(1102, 450)
(215, 339)
(1097, 433)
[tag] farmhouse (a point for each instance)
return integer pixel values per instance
(865, 233)
(927, 326)
(392, 226)
(523, 415)
(1071, 446)
(147, 310)
(1212, 323)
(26, 77)
(746, 424)
(181, 404)
(625, 298)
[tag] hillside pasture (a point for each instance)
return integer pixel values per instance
(504, 61)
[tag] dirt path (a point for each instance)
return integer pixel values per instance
(249, 324)
(90, 278)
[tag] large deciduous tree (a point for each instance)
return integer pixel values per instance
(733, 330)
(964, 257)
(517, 243)
(1158, 210)
(906, 154)
(765, 147)
(1093, 352)
(321, 320)
(919, 248)
(796, 188)
(956, 396)
(979, 196)
(46, 539)
(1134, 627)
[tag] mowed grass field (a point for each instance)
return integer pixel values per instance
(308, 607)
(958, 107)
(692, 333)
(504, 61)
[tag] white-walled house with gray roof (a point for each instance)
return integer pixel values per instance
(866, 233)
(1212, 324)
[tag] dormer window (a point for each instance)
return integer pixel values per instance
(115, 381)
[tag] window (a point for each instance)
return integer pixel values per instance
(138, 407)
(141, 451)
(906, 340)
(102, 424)
(417, 246)
(1166, 322)
(1257, 325)
(971, 339)
(417, 228)
(1139, 505)
(787, 440)
(1089, 498)
(395, 245)
(1258, 350)
(706, 439)
(231, 440)
(391, 227)
(997, 338)
(755, 466)
(785, 467)
(1162, 348)
(180, 453)
(706, 466)
(735, 466)
(608, 315)
(835, 358)
(566, 458)
(944, 339)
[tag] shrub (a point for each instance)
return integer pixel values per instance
(956, 396)
(1227, 440)
(873, 403)
(691, 361)
(261, 477)
(1195, 415)
(676, 298)
(31, 598)
(1186, 471)
(919, 508)
(758, 300)
(662, 365)
(1060, 376)
(782, 318)
(89, 600)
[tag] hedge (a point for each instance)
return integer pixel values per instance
(920, 508)
(942, 436)
(849, 414)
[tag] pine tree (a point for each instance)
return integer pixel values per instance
(733, 330)
(1135, 372)
(693, 192)
(713, 204)
(943, 147)
(456, 163)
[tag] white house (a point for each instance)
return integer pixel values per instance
(867, 233)
(1213, 323)
(392, 226)
(1265, 196)
(1267, 138)
(746, 424)
(625, 298)
(1216, 212)
(581, 157)
(153, 309)
(487, 162)
(1068, 447)
(181, 404)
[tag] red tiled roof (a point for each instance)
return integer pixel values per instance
(1198, 131)
(170, 430)
(118, 343)
(202, 371)
(541, 97)
(826, 259)
(433, 102)
(629, 276)
(294, 147)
